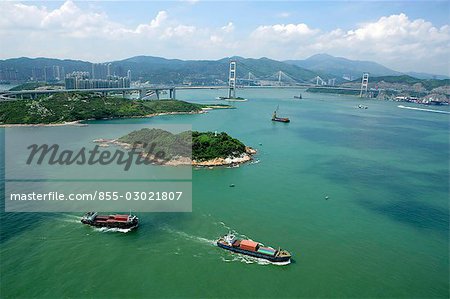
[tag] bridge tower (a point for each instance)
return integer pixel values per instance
(318, 79)
(364, 84)
(232, 80)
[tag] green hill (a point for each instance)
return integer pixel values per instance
(339, 66)
(59, 108)
(202, 145)
(429, 84)
(159, 70)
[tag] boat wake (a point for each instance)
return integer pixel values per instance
(189, 237)
(231, 230)
(70, 218)
(422, 109)
(112, 230)
(236, 257)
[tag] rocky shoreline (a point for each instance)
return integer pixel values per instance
(229, 161)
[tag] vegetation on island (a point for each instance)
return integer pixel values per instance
(200, 146)
(345, 91)
(35, 85)
(158, 140)
(428, 84)
(209, 145)
(59, 108)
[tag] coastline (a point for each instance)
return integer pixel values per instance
(229, 161)
(67, 123)
(80, 122)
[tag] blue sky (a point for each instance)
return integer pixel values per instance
(326, 15)
(384, 31)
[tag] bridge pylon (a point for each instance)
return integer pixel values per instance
(232, 80)
(364, 84)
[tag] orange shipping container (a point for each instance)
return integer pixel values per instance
(247, 248)
(248, 245)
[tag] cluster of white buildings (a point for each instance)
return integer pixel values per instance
(100, 77)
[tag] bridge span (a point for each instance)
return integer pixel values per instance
(143, 91)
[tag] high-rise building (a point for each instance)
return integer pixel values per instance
(77, 80)
(56, 72)
(62, 73)
(129, 75)
(48, 74)
(8, 74)
(81, 80)
(37, 74)
(99, 71)
(109, 70)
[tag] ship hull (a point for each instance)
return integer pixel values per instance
(282, 120)
(275, 259)
(112, 225)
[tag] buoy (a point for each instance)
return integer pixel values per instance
(326, 197)
(231, 185)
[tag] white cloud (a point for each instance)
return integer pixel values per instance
(154, 24)
(395, 41)
(72, 32)
(283, 15)
(228, 28)
(284, 32)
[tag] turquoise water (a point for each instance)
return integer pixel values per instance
(383, 232)
(6, 86)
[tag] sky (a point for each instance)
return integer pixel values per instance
(402, 35)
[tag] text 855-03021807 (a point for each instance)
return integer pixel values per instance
(159, 195)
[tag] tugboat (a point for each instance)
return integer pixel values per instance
(110, 221)
(280, 119)
(252, 248)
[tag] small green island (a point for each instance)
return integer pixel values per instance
(233, 99)
(63, 109)
(185, 148)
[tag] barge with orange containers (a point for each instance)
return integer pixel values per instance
(254, 249)
(110, 221)
(279, 119)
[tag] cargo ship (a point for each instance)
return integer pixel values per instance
(110, 221)
(254, 249)
(279, 119)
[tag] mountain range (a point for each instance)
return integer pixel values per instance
(340, 67)
(160, 70)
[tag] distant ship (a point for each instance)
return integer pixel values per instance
(252, 248)
(280, 119)
(110, 221)
(298, 97)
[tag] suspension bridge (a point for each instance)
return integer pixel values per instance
(279, 79)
